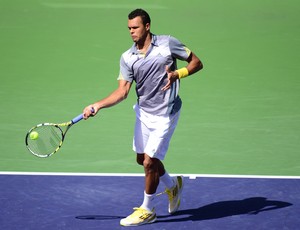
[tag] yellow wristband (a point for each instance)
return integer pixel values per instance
(183, 72)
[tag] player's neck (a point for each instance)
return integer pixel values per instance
(143, 46)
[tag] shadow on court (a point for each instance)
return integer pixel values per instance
(222, 209)
(250, 206)
(98, 217)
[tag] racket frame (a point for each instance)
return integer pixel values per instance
(59, 126)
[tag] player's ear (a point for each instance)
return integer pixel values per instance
(147, 26)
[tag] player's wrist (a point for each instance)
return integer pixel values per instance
(182, 72)
(97, 106)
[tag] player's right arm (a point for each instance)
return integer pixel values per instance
(114, 98)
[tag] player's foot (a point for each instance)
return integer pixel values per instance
(174, 194)
(138, 217)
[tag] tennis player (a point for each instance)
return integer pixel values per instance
(151, 64)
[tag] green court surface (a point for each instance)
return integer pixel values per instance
(241, 113)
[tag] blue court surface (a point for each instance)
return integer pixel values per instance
(61, 201)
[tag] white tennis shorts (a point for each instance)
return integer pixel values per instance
(152, 134)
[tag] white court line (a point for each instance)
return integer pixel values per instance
(191, 176)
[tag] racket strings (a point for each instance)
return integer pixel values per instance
(49, 140)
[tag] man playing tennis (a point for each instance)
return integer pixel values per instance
(151, 63)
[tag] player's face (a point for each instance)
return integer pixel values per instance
(138, 31)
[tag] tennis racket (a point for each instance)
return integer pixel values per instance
(45, 139)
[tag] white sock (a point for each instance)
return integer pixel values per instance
(167, 180)
(148, 201)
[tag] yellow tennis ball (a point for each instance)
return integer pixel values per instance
(34, 135)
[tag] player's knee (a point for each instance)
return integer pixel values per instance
(150, 164)
(140, 159)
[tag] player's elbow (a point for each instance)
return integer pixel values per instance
(199, 65)
(195, 63)
(123, 89)
(123, 95)
(196, 66)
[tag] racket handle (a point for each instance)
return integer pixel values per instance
(79, 117)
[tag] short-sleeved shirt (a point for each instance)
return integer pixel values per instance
(149, 72)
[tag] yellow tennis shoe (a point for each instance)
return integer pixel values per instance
(174, 195)
(140, 216)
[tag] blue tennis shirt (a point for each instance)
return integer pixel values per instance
(149, 72)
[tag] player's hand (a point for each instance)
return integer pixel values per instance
(89, 111)
(172, 77)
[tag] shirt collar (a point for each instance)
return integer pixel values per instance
(134, 50)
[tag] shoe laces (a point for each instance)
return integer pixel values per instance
(172, 192)
(139, 212)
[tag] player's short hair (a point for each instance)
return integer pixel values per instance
(142, 13)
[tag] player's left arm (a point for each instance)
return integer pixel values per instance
(193, 66)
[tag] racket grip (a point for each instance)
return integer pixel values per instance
(79, 117)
